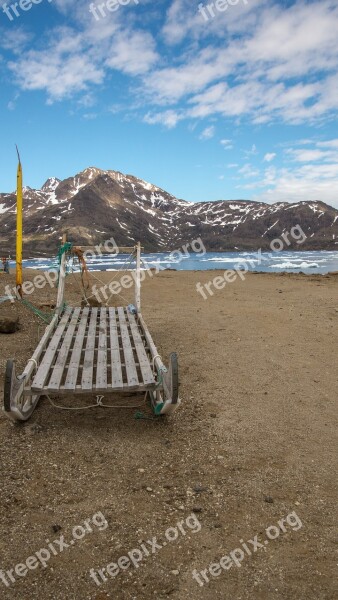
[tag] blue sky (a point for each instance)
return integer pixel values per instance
(234, 104)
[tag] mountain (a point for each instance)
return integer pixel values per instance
(96, 205)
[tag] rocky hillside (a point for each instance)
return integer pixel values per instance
(96, 205)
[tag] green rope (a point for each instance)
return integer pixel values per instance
(139, 415)
(63, 250)
(46, 317)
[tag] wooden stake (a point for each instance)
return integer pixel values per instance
(62, 278)
(138, 278)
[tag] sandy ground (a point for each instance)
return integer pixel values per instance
(254, 442)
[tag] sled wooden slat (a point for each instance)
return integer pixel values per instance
(88, 362)
(75, 360)
(146, 371)
(132, 378)
(43, 371)
(101, 371)
(116, 368)
(61, 360)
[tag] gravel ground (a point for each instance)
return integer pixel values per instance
(253, 443)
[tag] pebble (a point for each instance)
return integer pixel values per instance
(199, 488)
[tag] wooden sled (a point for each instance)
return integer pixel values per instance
(93, 351)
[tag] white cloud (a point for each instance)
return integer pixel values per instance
(262, 74)
(59, 76)
(328, 144)
(169, 118)
(289, 186)
(252, 152)
(132, 53)
(308, 155)
(269, 156)
(314, 175)
(70, 60)
(248, 171)
(15, 39)
(261, 61)
(227, 144)
(184, 20)
(12, 103)
(207, 133)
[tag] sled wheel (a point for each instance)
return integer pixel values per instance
(16, 405)
(171, 378)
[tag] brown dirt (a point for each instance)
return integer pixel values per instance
(254, 440)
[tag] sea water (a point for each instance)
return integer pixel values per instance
(269, 262)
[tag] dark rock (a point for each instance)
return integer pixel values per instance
(200, 488)
(268, 499)
(56, 528)
(9, 324)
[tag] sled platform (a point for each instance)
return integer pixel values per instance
(95, 350)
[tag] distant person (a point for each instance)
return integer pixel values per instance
(5, 263)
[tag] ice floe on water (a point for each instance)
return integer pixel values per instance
(294, 265)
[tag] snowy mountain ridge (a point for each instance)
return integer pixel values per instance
(96, 204)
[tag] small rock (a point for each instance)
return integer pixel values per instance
(197, 509)
(149, 489)
(56, 528)
(199, 488)
(9, 324)
(213, 415)
(175, 572)
(268, 499)
(34, 428)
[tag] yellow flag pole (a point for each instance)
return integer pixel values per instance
(19, 227)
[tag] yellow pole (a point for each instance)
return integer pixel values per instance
(19, 227)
